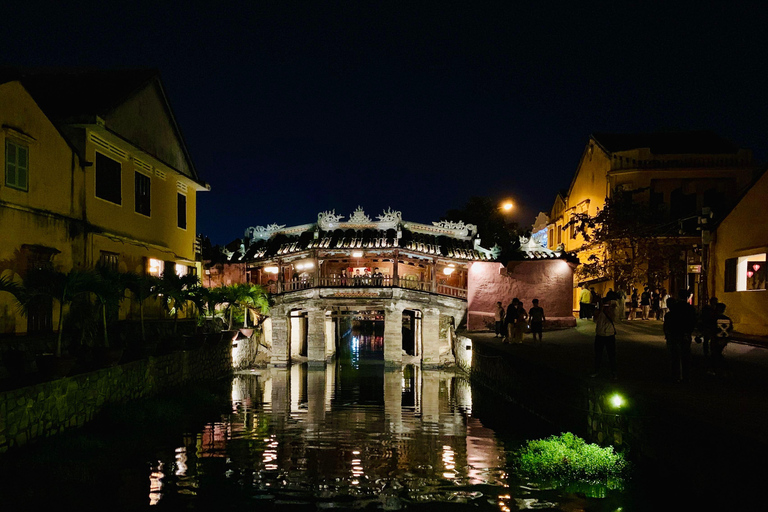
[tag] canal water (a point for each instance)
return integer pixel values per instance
(349, 436)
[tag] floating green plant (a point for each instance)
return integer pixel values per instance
(568, 458)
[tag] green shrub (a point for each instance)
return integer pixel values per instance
(567, 458)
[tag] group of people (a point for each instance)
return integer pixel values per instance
(652, 304)
(365, 278)
(682, 324)
(712, 328)
(512, 323)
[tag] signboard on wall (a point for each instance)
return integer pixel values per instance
(694, 269)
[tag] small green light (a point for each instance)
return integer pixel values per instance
(617, 401)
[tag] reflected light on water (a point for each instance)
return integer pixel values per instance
(449, 462)
(181, 461)
(421, 443)
(156, 484)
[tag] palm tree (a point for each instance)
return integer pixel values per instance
(176, 292)
(109, 287)
(247, 297)
(17, 290)
(142, 287)
(64, 288)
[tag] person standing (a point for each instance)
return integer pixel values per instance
(723, 329)
(655, 304)
(633, 304)
(645, 302)
(499, 318)
(621, 306)
(521, 323)
(585, 303)
(536, 319)
(679, 324)
(594, 301)
(509, 320)
(605, 336)
(708, 324)
(663, 302)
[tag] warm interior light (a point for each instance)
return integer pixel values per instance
(357, 254)
(181, 270)
(448, 271)
(155, 267)
(271, 270)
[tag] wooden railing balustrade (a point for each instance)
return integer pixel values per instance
(367, 282)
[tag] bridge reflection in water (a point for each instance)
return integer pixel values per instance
(347, 435)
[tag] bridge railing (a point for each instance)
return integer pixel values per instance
(367, 282)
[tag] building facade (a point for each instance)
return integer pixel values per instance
(674, 175)
(737, 264)
(95, 172)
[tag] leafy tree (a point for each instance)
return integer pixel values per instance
(492, 226)
(628, 245)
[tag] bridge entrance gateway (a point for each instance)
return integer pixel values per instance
(392, 287)
(400, 326)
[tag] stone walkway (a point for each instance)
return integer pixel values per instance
(736, 402)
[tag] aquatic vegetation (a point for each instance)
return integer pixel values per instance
(567, 457)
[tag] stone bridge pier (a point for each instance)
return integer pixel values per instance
(303, 326)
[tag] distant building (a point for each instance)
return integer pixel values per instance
(95, 172)
(737, 266)
(675, 174)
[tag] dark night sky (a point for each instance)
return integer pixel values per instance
(289, 109)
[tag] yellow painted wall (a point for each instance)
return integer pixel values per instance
(54, 176)
(599, 173)
(46, 214)
(742, 233)
(160, 228)
(61, 202)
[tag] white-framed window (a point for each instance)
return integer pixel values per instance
(16, 165)
(751, 273)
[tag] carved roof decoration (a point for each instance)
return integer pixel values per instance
(531, 249)
(334, 235)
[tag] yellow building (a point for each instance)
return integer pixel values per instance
(95, 172)
(676, 174)
(737, 268)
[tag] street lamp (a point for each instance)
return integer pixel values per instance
(507, 206)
